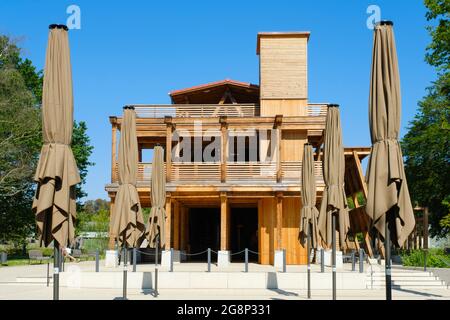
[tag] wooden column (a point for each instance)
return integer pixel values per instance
(183, 239)
(113, 149)
(224, 219)
(139, 152)
(176, 225)
(277, 126)
(223, 148)
(112, 239)
(279, 197)
(168, 221)
(169, 129)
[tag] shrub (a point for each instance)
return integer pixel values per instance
(436, 258)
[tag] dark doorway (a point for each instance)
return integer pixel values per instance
(244, 233)
(204, 232)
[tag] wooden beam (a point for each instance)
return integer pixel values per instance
(168, 221)
(183, 227)
(260, 231)
(277, 125)
(224, 221)
(360, 174)
(112, 240)
(113, 152)
(279, 197)
(169, 129)
(176, 225)
(224, 148)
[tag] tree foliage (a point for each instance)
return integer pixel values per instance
(426, 146)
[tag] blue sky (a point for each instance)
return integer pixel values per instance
(137, 51)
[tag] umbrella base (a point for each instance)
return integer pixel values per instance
(112, 258)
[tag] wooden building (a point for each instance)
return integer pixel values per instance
(246, 194)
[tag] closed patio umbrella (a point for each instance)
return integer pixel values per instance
(388, 202)
(156, 224)
(334, 201)
(309, 233)
(127, 220)
(57, 173)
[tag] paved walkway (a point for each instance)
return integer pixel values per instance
(10, 289)
(41, 292)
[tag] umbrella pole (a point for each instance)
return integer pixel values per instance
(333, 252)
(156, 266)
(387, 243)
(308, 253)
(56, 271)
(125, 254)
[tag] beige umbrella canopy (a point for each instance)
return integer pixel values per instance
(334, 200)
(387, 187)
(57, 173)
(127, 221)
(157, 218)
(309, 212)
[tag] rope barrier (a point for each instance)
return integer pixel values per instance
(194, 254)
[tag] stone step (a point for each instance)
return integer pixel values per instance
(33, 280)
(404, 278)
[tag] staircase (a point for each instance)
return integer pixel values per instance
(404, 279)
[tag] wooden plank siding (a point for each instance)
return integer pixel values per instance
(267, 227)
(283, 67)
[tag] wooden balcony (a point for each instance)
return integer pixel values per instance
(213, 110)
(237, 172)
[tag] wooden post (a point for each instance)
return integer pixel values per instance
(224, 213)
(112, 240)
(224, 148)
(183, 227)
(113, 150)
(279, 197)
(168, 221)
(277, 126)
(176, 225)
(169, 129)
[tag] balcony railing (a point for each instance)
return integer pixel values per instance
(197, 110)
(213, 110)
(210, 173)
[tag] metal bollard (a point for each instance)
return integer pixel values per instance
(284, 260)
(171, 260)
(353, 261)
(134, 259)
(425, 259)
(322, 260)
(97, 261)
(246, 260)
(209, 259)
(48, 274)
(156, 282)
(361, 260)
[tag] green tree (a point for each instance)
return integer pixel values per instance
(426, 146)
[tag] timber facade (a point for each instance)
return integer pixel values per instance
(233, 157)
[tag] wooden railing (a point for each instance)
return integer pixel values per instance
(317, 109)
(214, 110)
(292, 171)
(251, 171)
(200, 172)
(196, 110)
